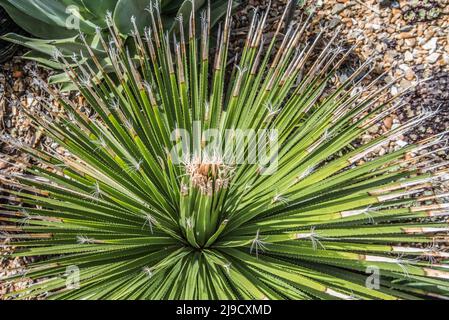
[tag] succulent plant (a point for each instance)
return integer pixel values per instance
(136, 210)
(419, 10)
(58, 23)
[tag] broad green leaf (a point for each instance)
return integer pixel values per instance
(31, 24)
(126, 9)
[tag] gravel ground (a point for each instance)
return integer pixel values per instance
(408, 39)
(18, 93)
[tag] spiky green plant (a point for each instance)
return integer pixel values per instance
(312, 222)
(56, 24)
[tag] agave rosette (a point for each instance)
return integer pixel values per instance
(139, 225)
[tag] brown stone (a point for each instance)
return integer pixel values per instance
(429, 34)
(411, 42)
(17, 74)
(408, 56)
(19, 86)
(405, 35)
(3, 165)
(420, 31)
(405, 84)
(395, 18)
(409, 74)
(433, 58)
(388, 122)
